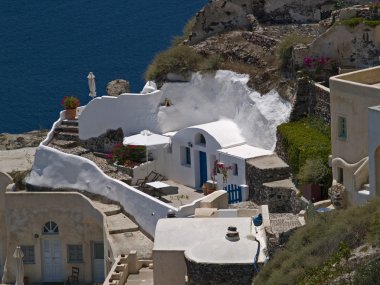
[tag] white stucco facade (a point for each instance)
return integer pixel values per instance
(353, 144)
(78, 223)
(186, 167)
(374, 149)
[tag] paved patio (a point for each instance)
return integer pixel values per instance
(186, 195)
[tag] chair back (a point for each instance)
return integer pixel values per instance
(75, 271)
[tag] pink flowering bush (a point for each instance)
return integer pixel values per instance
(222, 169)
(313, 66)
(316, 63)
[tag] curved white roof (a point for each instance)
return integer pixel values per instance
(225, 132)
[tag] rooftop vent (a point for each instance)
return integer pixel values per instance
(170, 214)
(232, 234)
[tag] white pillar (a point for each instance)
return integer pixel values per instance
(244, 192)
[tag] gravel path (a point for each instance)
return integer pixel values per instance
(283, 222)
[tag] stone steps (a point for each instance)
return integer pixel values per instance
(120, 223)
(125, 235)
(64, 143)
(70, 122)
(66, 136)
(107, 209)
(67, 129)
(123, 243)
(144, 277)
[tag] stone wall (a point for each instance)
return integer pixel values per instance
(337, 194)
(257, 176)
(104, 143)
(269, 183)
(312, 99)
(320, 102)
(226, 274)
(280, 149)
(277, 195)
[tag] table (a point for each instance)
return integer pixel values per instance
(163, 188)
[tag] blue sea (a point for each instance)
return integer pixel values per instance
(47, 49)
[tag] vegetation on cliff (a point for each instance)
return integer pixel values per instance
(317, 253)
(285, 47)
(307, 144)
(353, 22)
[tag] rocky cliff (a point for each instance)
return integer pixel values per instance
(226, 15)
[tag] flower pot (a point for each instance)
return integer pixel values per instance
(70, 114)
(204, 188)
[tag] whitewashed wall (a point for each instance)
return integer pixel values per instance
(204, 99)
(373, 146)
(55, 169)
(132, 113)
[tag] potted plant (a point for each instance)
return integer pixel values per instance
(70, 104)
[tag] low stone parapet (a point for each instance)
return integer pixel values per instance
(217, 199)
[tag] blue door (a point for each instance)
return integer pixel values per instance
(202, 167)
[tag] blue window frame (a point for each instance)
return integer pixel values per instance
(188, 157)
(342, 128)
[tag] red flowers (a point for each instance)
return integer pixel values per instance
(70, 102)
(315, 62)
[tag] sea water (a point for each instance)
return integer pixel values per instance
(47, 49)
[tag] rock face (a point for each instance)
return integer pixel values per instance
(357, 46)
(117, 87)
(105, 142)
(222, 15)
(312, 99)
(16, 141)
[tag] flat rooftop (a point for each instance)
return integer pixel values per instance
(267, 162)
(368, 76)
(245, 151)
(183, 233)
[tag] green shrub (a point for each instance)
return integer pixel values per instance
(353, 22)
(179, 59)
(368, 274)
(313, 171)
(311, 252)
(303, 140)
(371, 23)
(285, 47)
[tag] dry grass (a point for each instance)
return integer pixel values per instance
(302, 259)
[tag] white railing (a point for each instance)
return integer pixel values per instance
(57, 123)
(361, 175)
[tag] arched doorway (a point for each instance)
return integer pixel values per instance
(51, 253)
